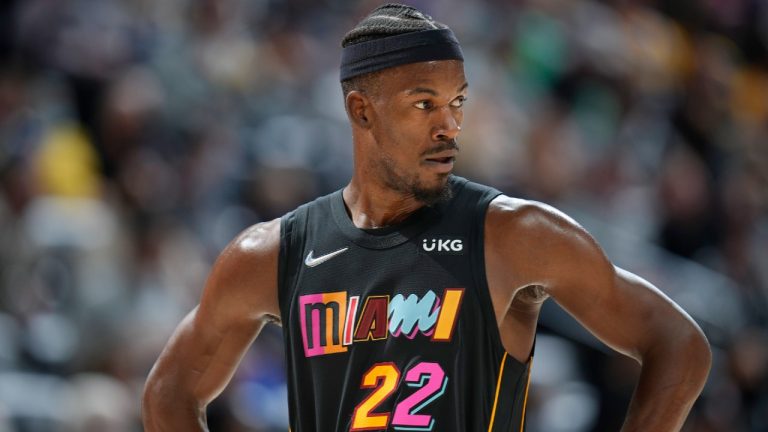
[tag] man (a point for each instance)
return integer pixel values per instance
(409, 299)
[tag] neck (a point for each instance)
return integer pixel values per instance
(372, 205)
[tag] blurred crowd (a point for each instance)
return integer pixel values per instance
(138, 137)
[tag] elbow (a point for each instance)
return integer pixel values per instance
(694, 361)
(698, 352)
(684, 350)
(151, 403)
(688, 353)
(165, 404)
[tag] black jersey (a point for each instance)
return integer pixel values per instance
(393, 329)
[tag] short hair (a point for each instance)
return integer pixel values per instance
(387, 20)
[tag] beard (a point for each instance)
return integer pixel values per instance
(413, 185)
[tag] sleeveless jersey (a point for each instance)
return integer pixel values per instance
(393, 329)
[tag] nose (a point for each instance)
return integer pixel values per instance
(447, 124)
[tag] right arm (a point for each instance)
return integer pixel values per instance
(204, 351)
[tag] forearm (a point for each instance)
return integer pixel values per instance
(671, 379)
(168, 410)
(193, 369)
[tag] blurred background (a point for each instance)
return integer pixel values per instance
(138, 137)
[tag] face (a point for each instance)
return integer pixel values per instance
(416, 116)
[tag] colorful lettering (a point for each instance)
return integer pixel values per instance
(373, 319)
(383, 378)
(321, 322)
(446, 322)
(431, 382)
(349, 322)
(329, 321)
(410, 314)
(428, 377)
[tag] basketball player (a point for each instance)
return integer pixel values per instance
(409, 299)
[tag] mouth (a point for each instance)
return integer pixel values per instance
(441, 162)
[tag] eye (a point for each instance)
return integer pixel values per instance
(423, 105)
(458, 102)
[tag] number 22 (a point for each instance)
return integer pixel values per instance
(427, 376)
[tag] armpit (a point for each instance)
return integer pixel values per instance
(532, 294)
(273, 319)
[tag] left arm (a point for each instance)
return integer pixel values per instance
(543, 247)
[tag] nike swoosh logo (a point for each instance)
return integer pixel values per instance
(311, 261)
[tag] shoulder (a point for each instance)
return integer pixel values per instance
(533, 243)
(527, 216)
(245, 274)
(261, 240)
(537, 233)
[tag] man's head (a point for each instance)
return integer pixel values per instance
(403, 79)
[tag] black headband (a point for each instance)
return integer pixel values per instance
(414, 47)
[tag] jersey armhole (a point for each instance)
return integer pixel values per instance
(513, 377)
(483, 290)
(285, 280)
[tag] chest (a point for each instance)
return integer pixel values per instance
(417, 290)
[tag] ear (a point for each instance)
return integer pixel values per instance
(359, 109)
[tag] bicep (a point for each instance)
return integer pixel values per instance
(623, 310)
(205, 350)
(544, 247)
(198, 360)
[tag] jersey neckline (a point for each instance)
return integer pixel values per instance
(394, 235)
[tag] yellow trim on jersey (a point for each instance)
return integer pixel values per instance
(527, 386)
(498, 387)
